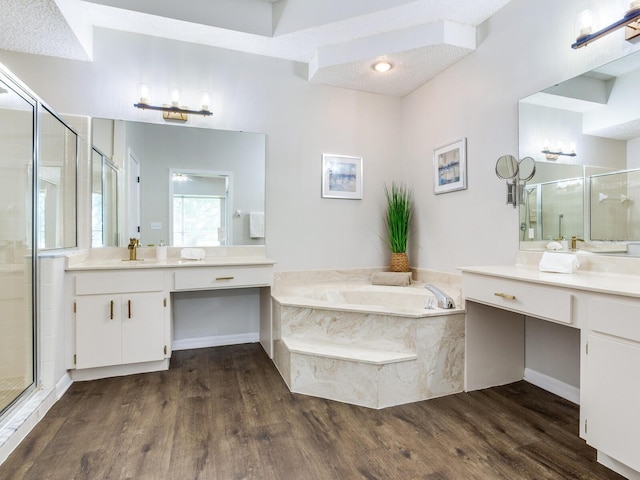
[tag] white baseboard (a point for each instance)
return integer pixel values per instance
(215, 341)
(553, 385)
(618, 467)
(63, 385)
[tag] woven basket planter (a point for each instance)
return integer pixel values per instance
(399, 262)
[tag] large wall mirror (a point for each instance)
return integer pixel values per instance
(584, 135)
(185, 185)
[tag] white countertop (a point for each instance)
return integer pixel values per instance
(610, 283)
(173, 262)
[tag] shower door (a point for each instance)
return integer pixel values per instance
(17, 331)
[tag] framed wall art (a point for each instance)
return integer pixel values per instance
(341, 176)
(450, 167)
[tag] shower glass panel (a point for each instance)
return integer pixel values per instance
(17, 354)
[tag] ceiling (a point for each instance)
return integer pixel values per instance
(338, 40)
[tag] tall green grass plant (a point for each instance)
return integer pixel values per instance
(399, 212)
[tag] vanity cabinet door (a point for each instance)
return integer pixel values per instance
(98, 331)
(142, 327)
(119, 329)
(613, 398)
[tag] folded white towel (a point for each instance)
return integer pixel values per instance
(256, 224)
(558, 262)
(192, 253)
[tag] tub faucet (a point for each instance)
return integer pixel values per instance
(444, 300)
(134, 243)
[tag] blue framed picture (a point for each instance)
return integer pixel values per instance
(450, 167)
(341, 177)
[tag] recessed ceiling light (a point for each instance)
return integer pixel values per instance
(382, 66)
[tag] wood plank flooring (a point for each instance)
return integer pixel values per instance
(225, 414)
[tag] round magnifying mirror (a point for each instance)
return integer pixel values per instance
(526, 168)
(507, 167)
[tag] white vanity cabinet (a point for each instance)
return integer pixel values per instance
(612, 373)
(119, 318)
(121, 314)
(606, 310)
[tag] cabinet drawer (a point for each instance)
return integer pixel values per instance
(615, 316)
(118, 282)
(222, 277)
(535, 300)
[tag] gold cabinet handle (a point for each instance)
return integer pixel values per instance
(224, 278)
(505, 295)
(129, 307)
(111, 311)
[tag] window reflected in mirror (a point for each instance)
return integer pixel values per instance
(199, 208)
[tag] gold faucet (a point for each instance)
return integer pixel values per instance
(134, 243)
(574, 242)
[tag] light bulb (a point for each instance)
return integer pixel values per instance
(205, 101)
(585, 23)
(382, 66)
(144, 93)
(175, 97)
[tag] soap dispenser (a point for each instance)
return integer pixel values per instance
(161, 250)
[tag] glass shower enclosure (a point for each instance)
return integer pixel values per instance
(17, 240)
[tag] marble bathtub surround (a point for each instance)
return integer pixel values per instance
(383, 349)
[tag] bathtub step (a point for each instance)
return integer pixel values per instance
(354, 353)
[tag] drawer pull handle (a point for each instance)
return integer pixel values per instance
(224, 278)
(111, 311)
(129, 307)
(505, 295)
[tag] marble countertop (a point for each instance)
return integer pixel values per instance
(601, 282)
(177, 262)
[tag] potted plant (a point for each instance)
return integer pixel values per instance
(399, 211)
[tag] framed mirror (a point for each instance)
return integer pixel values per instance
(583, 133)
(152, 153)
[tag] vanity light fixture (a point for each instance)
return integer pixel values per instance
(173, 111)
(630, 21)
(180, 177)
(383, 66)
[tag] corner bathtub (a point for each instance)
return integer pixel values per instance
(369, 345)
(410, 301)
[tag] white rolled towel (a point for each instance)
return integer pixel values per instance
(192, 253)
(396, 279)
(558, 262)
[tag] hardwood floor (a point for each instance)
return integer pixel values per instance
(224, 413)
